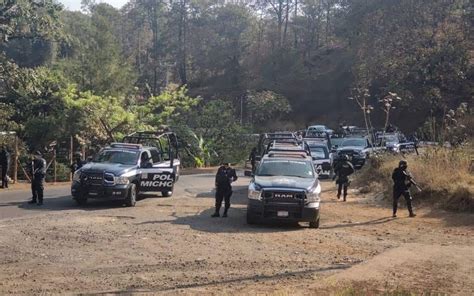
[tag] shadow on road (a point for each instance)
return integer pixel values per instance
(239, 195)
(356, 224)
(66, 202)
(235, 223)
(238, 280)
(451, 219)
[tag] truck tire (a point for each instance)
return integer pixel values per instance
(314, 224)
(81, 201)
(251, 219)
(167, 193)
(132, 196)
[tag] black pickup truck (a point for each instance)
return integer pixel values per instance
(121, 171)
(285, 187)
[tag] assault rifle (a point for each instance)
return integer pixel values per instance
(412, 180)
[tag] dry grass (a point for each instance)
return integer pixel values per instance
(444, 174)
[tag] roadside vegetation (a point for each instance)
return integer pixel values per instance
(445, 176)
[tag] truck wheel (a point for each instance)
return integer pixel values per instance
(82, 201)
(132, 196)
(251, 219)
(314, 224)
(167, 193)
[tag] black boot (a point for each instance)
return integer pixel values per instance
(32, 202)
(216, 214)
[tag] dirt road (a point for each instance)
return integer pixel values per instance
(173, 246)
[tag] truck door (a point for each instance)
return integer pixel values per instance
(155, 176)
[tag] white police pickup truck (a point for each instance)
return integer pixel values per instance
(143, 162)
(321, 158)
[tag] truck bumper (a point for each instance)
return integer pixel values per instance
(260, 211)
(116, 192)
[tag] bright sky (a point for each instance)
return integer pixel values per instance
(76, 4)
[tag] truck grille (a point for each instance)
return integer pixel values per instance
(92, 178)
(271, 195)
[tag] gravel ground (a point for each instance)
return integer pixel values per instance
(173, 246)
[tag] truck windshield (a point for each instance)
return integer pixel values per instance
(290, 168)
(319, 152)
(355, 142)
(117, 156)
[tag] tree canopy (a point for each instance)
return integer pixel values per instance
(212, 68)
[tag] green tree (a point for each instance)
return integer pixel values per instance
(93, 57)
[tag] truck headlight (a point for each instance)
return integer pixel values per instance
(313, 195)
(121, 180)
(254, 192)
(76, 177)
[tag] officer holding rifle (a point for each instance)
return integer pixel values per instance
(402, 181)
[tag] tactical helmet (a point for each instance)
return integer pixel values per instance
(403, 163)
(345, 157)
(78, 155)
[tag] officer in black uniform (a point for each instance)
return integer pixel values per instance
(224, 178)
(401, 184)
(5, 164)
(77, 163)
(38, 173)
(253, 158)
(343, 170)
(415, 141)
(341, 131)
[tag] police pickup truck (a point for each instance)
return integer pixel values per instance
(284, 187)
(356, 148)
(321, 158)
(142, 163)
(395, 142)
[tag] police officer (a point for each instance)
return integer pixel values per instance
(224, 178)
(253, 158)
(415, 141)
(341, 131)
(38, 173)
(401, 184)
(77, 163)
(343, 170)
(5, 164)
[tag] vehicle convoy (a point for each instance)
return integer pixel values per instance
(143, 163)
(267, 140)
(321, 159)
(357, 148)
(285, 187)
(318, 129)
(395, 142)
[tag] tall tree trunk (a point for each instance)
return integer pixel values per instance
(182, 42)
(280, 22)
(287, 16)
(328, 11)
(154, 8)
(294, 24)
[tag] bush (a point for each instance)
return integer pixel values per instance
(62, 173)
(443, 174)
